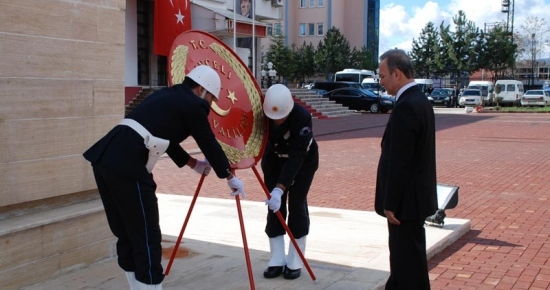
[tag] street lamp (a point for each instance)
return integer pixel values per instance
(263, 74)
(533, 55)
(271, 74)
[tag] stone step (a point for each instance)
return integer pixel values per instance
(65, 238)
(322, 104)
(334, 109)
(311, 97)
(316, 100)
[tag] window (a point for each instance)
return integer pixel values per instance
(311, 28)
(347, 92)
(320, 29)
(302, 3)
(302, 29)
(510, 88)
(311, 3)
(321, 3)
(277, 29)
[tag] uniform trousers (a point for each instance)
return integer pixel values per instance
(132, 213)
(298, 213)
(408, 262)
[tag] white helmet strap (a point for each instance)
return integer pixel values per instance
(203, 93)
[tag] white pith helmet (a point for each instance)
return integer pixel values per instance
(278, 102)
(207, 78)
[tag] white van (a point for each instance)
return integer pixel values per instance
(353, 75)
(509, 90)
(426, 85)
(487, 90)
(372, 85)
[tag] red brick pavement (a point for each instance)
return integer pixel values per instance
(500, 161)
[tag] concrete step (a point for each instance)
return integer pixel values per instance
(311, 97)
(321, 104)
(334, 109)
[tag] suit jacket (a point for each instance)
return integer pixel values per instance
(174, 114)
(455, 93)
(406, 181)
(294, 137)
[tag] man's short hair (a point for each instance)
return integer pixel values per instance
(398, 59)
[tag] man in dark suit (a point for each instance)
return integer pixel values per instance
(123, 160)
(406, 181)
(454, 100)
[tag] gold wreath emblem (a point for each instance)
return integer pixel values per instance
(254, 143)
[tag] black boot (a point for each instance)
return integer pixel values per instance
(292, 274)
(272, 272)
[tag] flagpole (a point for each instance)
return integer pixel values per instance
(254, 39)
(235, 26)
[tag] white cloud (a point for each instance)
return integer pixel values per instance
(399, 25)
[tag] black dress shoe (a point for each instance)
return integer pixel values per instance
(272, 272)
(292, 274)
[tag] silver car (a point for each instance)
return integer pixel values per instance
(470, 97)
(535, 98)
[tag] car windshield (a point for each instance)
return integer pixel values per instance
(347, 77)
(436, 92)
(484, 89)
(470, 93)
(534, 93)
(370, 86)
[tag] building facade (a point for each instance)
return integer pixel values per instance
(253, 21)
(66, 66)
(309, 20)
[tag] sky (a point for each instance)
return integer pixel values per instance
(401, 21)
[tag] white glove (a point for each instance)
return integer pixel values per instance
(274, 203)
(202, 166)
(236, 186)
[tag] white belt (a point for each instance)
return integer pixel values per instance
(157, 146)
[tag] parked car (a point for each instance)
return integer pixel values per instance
(361, 99)
(487, 90)
(441, 97)
(470, 97)
(535, 98)
(324, 87)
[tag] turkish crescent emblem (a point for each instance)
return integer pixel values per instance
(219, 110)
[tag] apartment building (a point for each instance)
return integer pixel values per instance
(309, 20)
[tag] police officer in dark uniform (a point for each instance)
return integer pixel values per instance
(123, 160)
(289, 163)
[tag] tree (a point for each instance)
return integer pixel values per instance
(423, 53)
(460, 45)
(362, 59)
(500, 52)
(532, 41)
(535, 34)
(304, 58)
(333, 52)
(280, 55)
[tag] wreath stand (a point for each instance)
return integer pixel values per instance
(243, 233)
